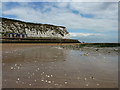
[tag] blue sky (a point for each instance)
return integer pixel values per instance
(88, 21)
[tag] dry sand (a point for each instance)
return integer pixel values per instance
(49, 66)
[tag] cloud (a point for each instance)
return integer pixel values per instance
(64, 16)
(94, 38)
(100, 9)
(75, 16)
(60, 0)
(83, 34)
(0, 9)
(86, 37)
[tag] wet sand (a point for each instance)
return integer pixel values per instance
(50, 66)
(0, 66)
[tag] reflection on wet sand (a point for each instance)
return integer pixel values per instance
(27, 66)
(43, 53)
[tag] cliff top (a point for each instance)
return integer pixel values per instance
(7, 19)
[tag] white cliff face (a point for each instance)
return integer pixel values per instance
(34, 30)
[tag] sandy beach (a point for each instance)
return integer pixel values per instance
(51, 66)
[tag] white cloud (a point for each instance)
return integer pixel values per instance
(0, 9)
(84, 34)
(60, 0)
(99, 9)
(94, 37)
(22, 13)
(105, 16)
(64, 16)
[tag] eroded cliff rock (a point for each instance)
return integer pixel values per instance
(32, 29)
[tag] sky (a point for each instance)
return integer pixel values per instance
(85, 21)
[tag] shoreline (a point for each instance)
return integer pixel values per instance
(77, 45)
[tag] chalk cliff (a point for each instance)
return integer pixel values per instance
(32, 29)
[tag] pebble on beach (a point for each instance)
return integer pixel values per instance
(49, 81)
(85, 79)
(18, 79)
(12, 68)
(66, 82)
(86, 85)
(98, 84)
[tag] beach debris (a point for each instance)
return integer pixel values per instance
(92, 77)
(85, 79)
(30, 84)
(97, 49)
(20, 64)
(65, 82)
(64, 60)
(12, 68)
(43, 72)
(18, 79)
(97, 84)
(38, 68)
(42, 80)
(51, 75)
(60, 48)
(35, 80)
(18, 67)
(46, 81)
(56, 84)
(85, 54)
(15, 64)
(48, 76)
(49, 81)
(87, 85)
